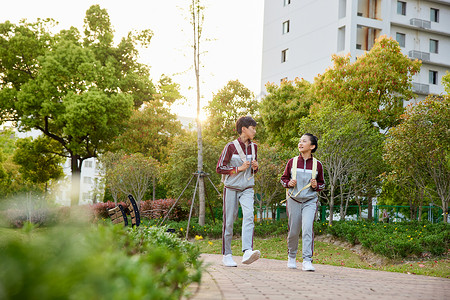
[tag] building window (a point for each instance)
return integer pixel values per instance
(342, 8)
(88, 164)
(401, 8)
(286, 2)
(433, 77)
(341, 39)
(434, 46)
(286, 27)
(400, 38)
(87, 180)
(86, 196)
(284, 55)
(434, 15)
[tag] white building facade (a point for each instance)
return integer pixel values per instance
(301, 35)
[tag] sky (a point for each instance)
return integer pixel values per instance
(233, 29)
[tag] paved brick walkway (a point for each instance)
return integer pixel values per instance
(271, 279)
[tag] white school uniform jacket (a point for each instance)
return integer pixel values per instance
(228, 164)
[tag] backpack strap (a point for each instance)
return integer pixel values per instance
(243, 156)
(239, 150)
(294, 175)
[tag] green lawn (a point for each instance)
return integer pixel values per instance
(330, 254)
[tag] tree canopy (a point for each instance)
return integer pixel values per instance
(234, 100)
(37, 160)
(346, 140)
(376, 84)
(76, 91)
(282, 109)
(419, 147)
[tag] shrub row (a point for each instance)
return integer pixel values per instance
(394, 239)
(391, 240)
(104, 262)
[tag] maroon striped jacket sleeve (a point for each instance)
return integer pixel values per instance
(222, 165)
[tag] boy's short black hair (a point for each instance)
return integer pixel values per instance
(246, 121)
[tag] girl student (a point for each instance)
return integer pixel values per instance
(303, 178)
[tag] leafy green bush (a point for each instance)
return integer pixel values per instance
(104, 262)
(393, 239)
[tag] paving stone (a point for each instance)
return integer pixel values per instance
(271, 279)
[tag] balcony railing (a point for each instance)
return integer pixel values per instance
(425, 56)
(420, 88)
(420, 23)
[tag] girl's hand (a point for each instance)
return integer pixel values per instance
(313, 183)
(292, 183)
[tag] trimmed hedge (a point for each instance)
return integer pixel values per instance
(394, 239)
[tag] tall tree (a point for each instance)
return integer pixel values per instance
(78, 92)
(11, 180)
(197, 19)
(37, 160)
(227, 105)
(345, 139)
(130, 174)
(150, 129)
(267, 180)
(376, 84)
(182, 160)
(420, 147)
(282, 109)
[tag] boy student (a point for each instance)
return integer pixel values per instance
(303, 177)
(238, 165)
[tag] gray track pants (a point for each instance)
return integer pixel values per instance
(231, 198)
(301, 216)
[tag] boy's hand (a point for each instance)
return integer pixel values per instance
(292, 183)
(313, 183)
(254, 165)
(244, 166)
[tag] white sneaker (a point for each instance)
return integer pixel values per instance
(250, 256)
(307, 266)
(228, 261)
(292, 263)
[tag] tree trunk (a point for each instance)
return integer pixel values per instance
(411, 209)
(201, 182)
(197, 18)
(444, 211)
(261, 211)
(421, 195)
(369, 208)
(76, 177)
(358, 201)
(341, 209)
(330, 222)
(154, 187)
(346, 206)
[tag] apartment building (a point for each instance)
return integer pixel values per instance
(301, 35)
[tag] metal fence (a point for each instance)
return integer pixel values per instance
(380, 213)
(386, 213)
